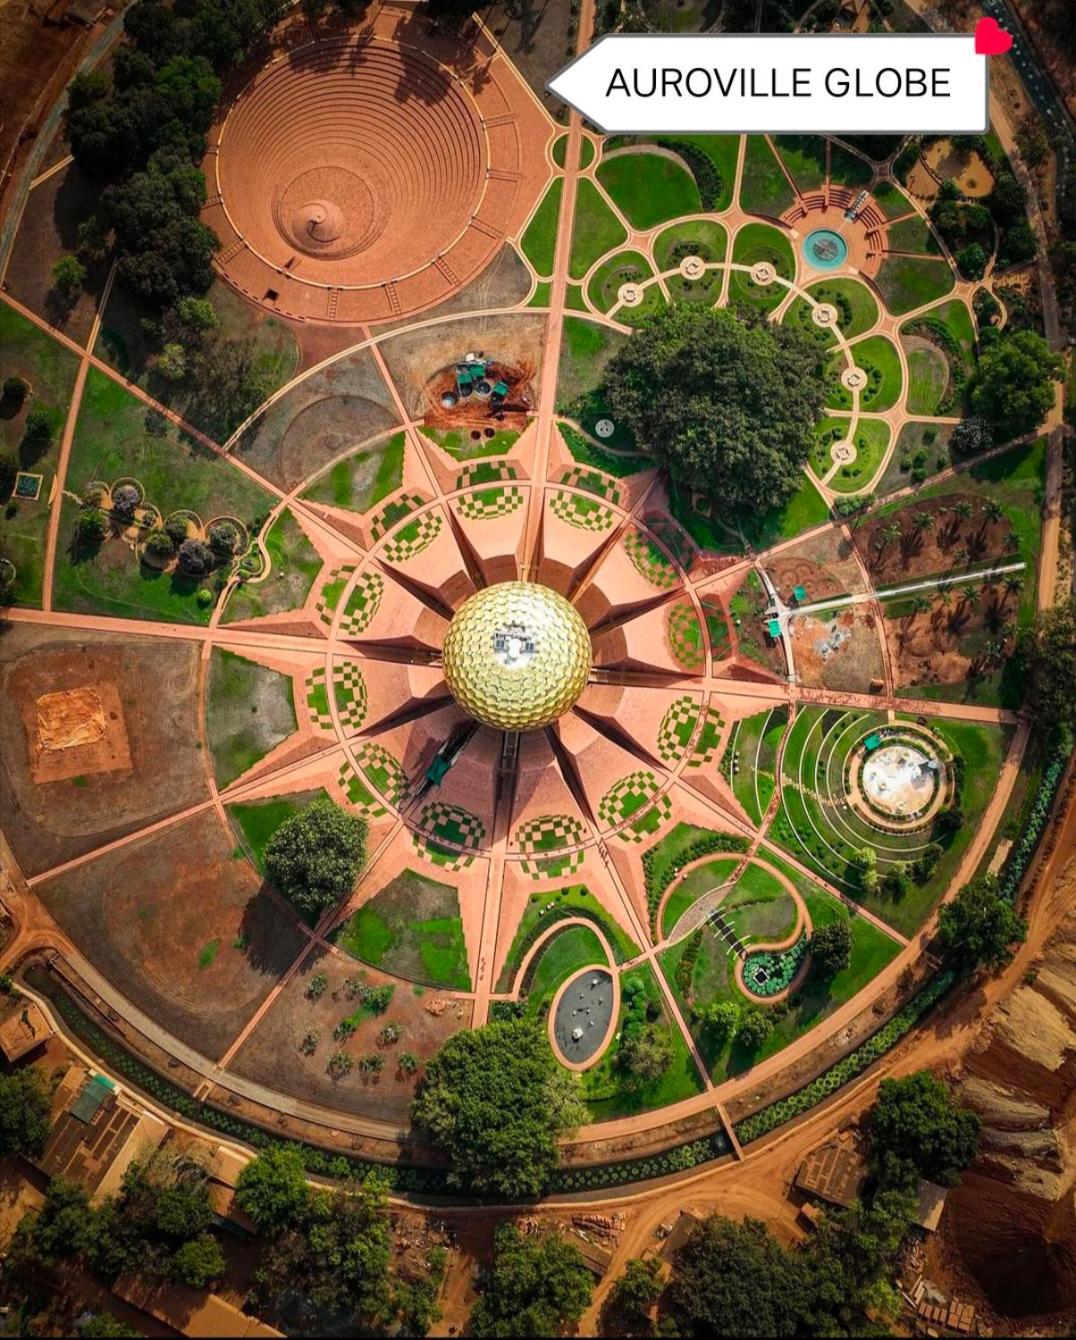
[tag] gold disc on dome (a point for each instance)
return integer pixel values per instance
(516, 656)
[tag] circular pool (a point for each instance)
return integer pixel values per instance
(825, 249)
(583, 1016)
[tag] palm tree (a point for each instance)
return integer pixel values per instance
(923, 521)
(1014, 584)
(1012, 541)
(992, 514)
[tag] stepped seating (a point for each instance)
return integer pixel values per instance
(731, 939)
(356, 180)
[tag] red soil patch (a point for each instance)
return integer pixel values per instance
(788, 573)
(952, 542)
(358, 178)
(938, 646)
(479, 411)
(76, 733)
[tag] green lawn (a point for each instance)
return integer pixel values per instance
(112, 442)
(892, 199)
(595, 231)
(805, 158)
(826, 432)
(928, 380)
(460, 446)
(564, 955)
(757, 242)
(804, 510)
(710, 875)
(362, 479)
(871, 440)
(711, 159)
(249, 712)
(764, 188)
(857, 310)
(585, 349)
(540, 239)
(695, 237)
(907, 282)
(49, 369)
(712, 979)
(755, 741)
(573, 901)
(878, 358)
(604, 1086)
(912, 235)
(649, 188)
(412, 929)
(294, 564)
(256, 821)
(625, 267)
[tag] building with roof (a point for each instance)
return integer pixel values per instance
(188, 1311)
(97, 1133)
(834, 1172)
(930, 1202)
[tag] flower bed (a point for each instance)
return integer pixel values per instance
(768, 973)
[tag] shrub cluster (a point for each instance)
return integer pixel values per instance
(820, 1088)
(1022, 853)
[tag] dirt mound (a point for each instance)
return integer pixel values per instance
(1012, 1219)
(71, 718)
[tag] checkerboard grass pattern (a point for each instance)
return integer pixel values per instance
(649, 561)
(484, 504)
(485, 472)
(394, 512)
(332, 589)
(542, 838)
(593, 481)
(413, 537)
(349, 690)
(384, 772)
(441, 822)
(635, 798)
(362, 604)
(582, 513)
(358, 793)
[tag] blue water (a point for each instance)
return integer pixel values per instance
(824, 249)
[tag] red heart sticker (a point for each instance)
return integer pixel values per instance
(990, 39)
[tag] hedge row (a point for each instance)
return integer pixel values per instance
(596, 1176)
(776, 1114)
(1036, 822)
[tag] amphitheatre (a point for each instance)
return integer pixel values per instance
(618, 747)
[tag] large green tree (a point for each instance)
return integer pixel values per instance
(24, 1112)
(725, 401)
(272, 1189)
(1049, 653)
(734, 1279)
(315, 857)
(1013, 386)
(979, 926)
(918, 1130)
(494, 1100)
(538, 1285)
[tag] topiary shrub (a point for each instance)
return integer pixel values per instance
(91, 528)
(224, 538)
(124, 501)
(159, 545)
(196, 558)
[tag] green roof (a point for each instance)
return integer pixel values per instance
(872, 742)
(93, 1094)
(774, 629)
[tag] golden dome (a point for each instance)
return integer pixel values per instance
(516, 656)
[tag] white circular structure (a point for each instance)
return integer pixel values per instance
(605, 428)
(900, 779)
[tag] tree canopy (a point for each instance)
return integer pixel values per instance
(724, 400)
(979, 925)
(494, 1100)
(315, 856)
(831, 948)
(917, 1130)
(24, 1112)
(538, 1285)
(1013, 386)
(1049, 652)
(272, 1189)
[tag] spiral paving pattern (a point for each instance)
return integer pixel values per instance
(365, 160)
(361, 179)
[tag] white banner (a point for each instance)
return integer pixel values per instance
(751, 82)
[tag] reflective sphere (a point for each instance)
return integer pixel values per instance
(516, 656)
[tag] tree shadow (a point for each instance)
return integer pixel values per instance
(267, 950)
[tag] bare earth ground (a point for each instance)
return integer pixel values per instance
(839, 651)
(51, 821)
(196, 945)
(823, 565)
(34, 56)
(934, 551)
